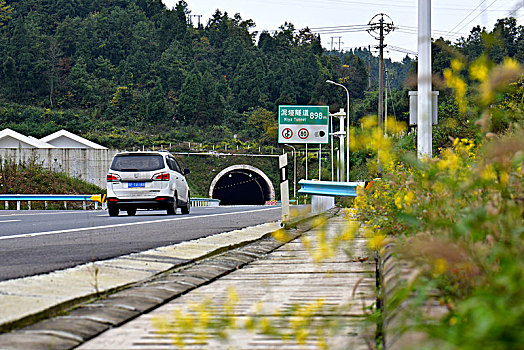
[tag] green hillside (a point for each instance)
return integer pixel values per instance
(129, 73)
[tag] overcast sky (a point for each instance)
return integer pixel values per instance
(449, 17)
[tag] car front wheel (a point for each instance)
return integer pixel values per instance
(185, 209)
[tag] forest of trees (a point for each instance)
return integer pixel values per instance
(133, 67)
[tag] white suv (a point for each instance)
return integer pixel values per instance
(148, 180)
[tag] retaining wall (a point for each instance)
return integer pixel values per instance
(90, 165)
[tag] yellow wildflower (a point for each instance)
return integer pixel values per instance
(377, 241)
(281, 235)
(479, 70)
(488, 173)
(259, 306)
(306, 242)
(398, 200)
(350, 231)
(409, 198)
(511, 64)
(458, 85)
(369, 123)
(504, 178)
(440, 266)
(449, 161)
(232, 295)
(457, 65)
(301, 336)
(265, 325)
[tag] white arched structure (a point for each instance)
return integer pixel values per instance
(245, 169)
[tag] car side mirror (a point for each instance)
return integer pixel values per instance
(186, 171)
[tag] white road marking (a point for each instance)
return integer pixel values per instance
(46, 213)
(37, 234)
(10, 220)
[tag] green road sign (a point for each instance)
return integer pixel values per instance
(303, 124)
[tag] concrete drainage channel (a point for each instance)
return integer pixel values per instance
(74, 326)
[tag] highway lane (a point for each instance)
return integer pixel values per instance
(35, 242)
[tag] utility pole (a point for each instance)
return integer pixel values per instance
(380, 26)
(369, 66)
(381, 75)
(197, 16)
(333, 43)
(424, 98)
(386, 106)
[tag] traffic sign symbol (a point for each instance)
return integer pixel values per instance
(303, 133)
(287, 133)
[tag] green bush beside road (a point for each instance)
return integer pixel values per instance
(460, 218)
(32, 178)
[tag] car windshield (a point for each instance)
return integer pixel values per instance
(146, 162)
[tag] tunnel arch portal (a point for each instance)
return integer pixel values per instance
(242, 185)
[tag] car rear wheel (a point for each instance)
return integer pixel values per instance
(185, 209)
(131, 212)
(171, 210)
(113, 211)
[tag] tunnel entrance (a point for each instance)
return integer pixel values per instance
(242, 185)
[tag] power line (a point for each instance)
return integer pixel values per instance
(453, 37)
(402, 4)
(469, 14)
(353, 26)
(472, 11)
(401, 49)
(436, 31)
(342, 31)
(362, 27)
(481, 12)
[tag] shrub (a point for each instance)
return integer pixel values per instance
(460, 220)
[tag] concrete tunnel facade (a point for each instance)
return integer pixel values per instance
(242, 185)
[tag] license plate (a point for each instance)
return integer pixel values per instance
(136, 184)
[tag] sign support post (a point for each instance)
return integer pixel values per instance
(319, 162)
(307, 158)
(284, 186)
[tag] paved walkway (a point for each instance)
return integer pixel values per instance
(286, 281)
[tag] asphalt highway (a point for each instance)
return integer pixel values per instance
(35, 242)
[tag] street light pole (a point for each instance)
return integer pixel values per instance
(332, 159)
(340, 134)
(341, 127)
(294, 171)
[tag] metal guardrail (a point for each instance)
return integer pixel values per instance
(205, 202)
(96, 198)
(49, 197)
(329, 188)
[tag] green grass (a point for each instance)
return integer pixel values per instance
(32, 178)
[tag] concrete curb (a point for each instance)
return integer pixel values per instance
(160, 280)
(394, 274)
